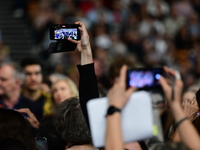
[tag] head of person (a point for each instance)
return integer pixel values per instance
(11, 77)
(189, 96)
(55, 76)
(192, 97)
(114, 69)
(32, 68)
(71, 124)
(47, 129)
(197, 94)
(14, 125)
(63, 89)
(49, 79)
(170, 146)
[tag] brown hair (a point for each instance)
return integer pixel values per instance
(116, 65)
(13, 125)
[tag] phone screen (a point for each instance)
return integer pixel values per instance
(65, 31)
(144, 78)
(65, 34)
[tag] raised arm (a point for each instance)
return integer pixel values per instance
(88, 88)
(117, 97)
(185, 128)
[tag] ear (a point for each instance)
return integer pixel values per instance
(18, 82)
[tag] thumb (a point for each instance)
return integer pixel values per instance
(130, 91)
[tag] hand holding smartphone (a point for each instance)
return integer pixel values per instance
(62, 32)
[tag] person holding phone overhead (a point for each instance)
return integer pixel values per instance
(88, 86)
(118, 96)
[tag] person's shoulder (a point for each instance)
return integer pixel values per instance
(23, 102)
(1, 101)
(22, 98)
(2, 105)
(47, 103)
(46, 94)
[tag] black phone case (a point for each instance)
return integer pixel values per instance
(61, 46)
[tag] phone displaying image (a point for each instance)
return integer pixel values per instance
(64, 31)
(144, 78)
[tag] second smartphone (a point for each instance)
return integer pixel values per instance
(144, 78)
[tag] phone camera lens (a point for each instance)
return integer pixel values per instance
(157, 76)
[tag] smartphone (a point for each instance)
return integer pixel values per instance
(41, 143)
(144, 78)
(64, 31)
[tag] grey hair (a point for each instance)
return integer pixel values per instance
(17, 70)
(70, 122)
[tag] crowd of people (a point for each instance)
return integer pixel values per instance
(48, 100)
(60, 120)
(149, 32)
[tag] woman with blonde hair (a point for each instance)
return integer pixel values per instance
(62, 89)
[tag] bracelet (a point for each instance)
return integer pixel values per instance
(112, 109)
(179, 122)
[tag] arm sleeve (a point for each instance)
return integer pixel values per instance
(88, 87)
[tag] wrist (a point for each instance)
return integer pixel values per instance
(85, 47)
(86, 51)
(86, 56)
(177, 111)
(177, 123)
(112, 110)
(174, 105)
(117, 105)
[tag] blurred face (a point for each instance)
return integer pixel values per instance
(61, 91)
(189, 98)
(33, 77)
(7, 80)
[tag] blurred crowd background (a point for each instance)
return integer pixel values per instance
(151, 33)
